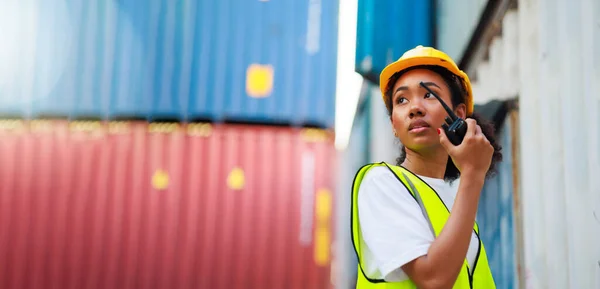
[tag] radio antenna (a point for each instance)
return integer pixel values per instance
(448, 110)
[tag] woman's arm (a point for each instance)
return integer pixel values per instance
(446, 255)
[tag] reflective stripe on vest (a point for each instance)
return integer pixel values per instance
(437, 214)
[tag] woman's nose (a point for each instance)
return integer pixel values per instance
(416, 110)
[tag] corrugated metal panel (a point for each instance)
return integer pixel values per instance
(265, 61)
(298, 39)
(130, 205)
(456, 22)
(502, 63)
(386, 29)
(497, 214)
(559, 44)
(557, 50)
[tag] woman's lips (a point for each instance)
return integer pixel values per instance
(419, 129)
(418, 126)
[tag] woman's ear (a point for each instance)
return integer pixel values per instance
(461, 110)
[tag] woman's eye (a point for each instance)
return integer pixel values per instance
(400, 100)
(428, 95)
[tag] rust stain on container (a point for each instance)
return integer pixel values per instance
(138, 205)
(517, 206)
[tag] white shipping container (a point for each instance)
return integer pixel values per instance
(549, 56)
(559, 55)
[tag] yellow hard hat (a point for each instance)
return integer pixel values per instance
(421, 55)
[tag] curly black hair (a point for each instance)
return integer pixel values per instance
(457, 92)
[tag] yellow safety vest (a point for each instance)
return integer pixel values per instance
(437, 214)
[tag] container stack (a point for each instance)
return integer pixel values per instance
(169, 145)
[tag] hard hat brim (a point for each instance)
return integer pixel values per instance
(403, 64)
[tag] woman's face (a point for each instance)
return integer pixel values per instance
(416, 114)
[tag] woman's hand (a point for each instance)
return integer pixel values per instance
(474, 155)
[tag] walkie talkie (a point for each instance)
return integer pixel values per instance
(455, 127)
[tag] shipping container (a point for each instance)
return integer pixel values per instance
(231, 60)
(387, 28)
(558, 139)
(165, 205)
(559, 62)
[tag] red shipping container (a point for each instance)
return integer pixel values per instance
(164, 205)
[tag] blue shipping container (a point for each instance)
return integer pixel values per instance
(240, 60)
(386, 29)
(496, 216)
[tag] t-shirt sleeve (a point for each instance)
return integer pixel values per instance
(393, 227)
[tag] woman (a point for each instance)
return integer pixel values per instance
(412, 226)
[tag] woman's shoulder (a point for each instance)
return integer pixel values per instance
(381, 193)
(387, 176)
(380, 180)
(378, 174)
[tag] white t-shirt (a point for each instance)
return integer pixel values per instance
(394, 229)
